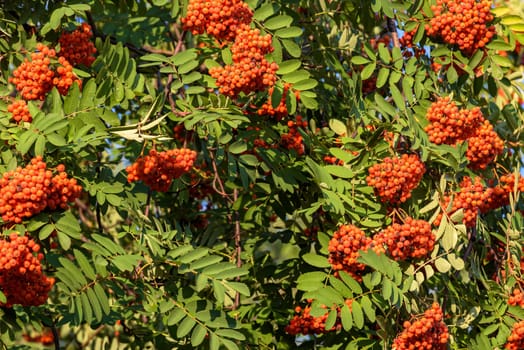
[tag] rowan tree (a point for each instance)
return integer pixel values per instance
(255, 174)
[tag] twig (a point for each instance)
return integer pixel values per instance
(56, 340)
(392, 28)
(216, 178)
(238, 246)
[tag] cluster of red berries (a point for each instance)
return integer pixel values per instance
(451, 125)
(304, 323)
(76, 47)
(462, 23)
(279, 112)
(516, 298)
(181, 134)
(395, 178)
(344, 249)
(19, 111)
(21, 277)
(219, 18)
(411, 240)
(250, 70)
(484, 146)
(293, 140)
(516, 338)
(427, 332)
(25, 192)
(158, 169)
(36, 77)
(473, 197)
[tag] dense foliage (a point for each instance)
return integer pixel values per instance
(181, 174)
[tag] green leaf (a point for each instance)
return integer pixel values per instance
(382, 77)
(84, 264)
(384, 53)
(288, 66)
(264, 11)
(185, 327)
(198, 335)
(451, 74)
(175, 316)
(230, 333)
(346, 317)
(196, 254)
(350, 282)
(316, 260)
(277, 22)
(358, 316)
(359, 60)
(442, 265)
(368, 71)
(184, 57)
(292, 48)
(306, 84)
(291, 32)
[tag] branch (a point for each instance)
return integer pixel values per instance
(392, 28)
(238, 246)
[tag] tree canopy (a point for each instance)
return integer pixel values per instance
(228, 174)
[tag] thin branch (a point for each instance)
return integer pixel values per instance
(56, 340)
(392, 28)
(238, 246)
(216, 178)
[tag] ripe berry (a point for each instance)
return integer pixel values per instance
(483, 146)
(250, 71)
(427, 332)
(411, 240)
(158, 169)
(293, 139)
(516, 298)
(304, 323)
(219, 18)
(19, 111)
(344, 249)
(279, 112)
(516, 338)
(462, 23)
(77, 47)
(36, 77)
(21, 277)
(27, 191)
(449, 124)
(395, 178)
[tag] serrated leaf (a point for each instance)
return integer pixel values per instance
(350, 282)
(97, 309)
(84, 264)
(86, 308)
(230, 333)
